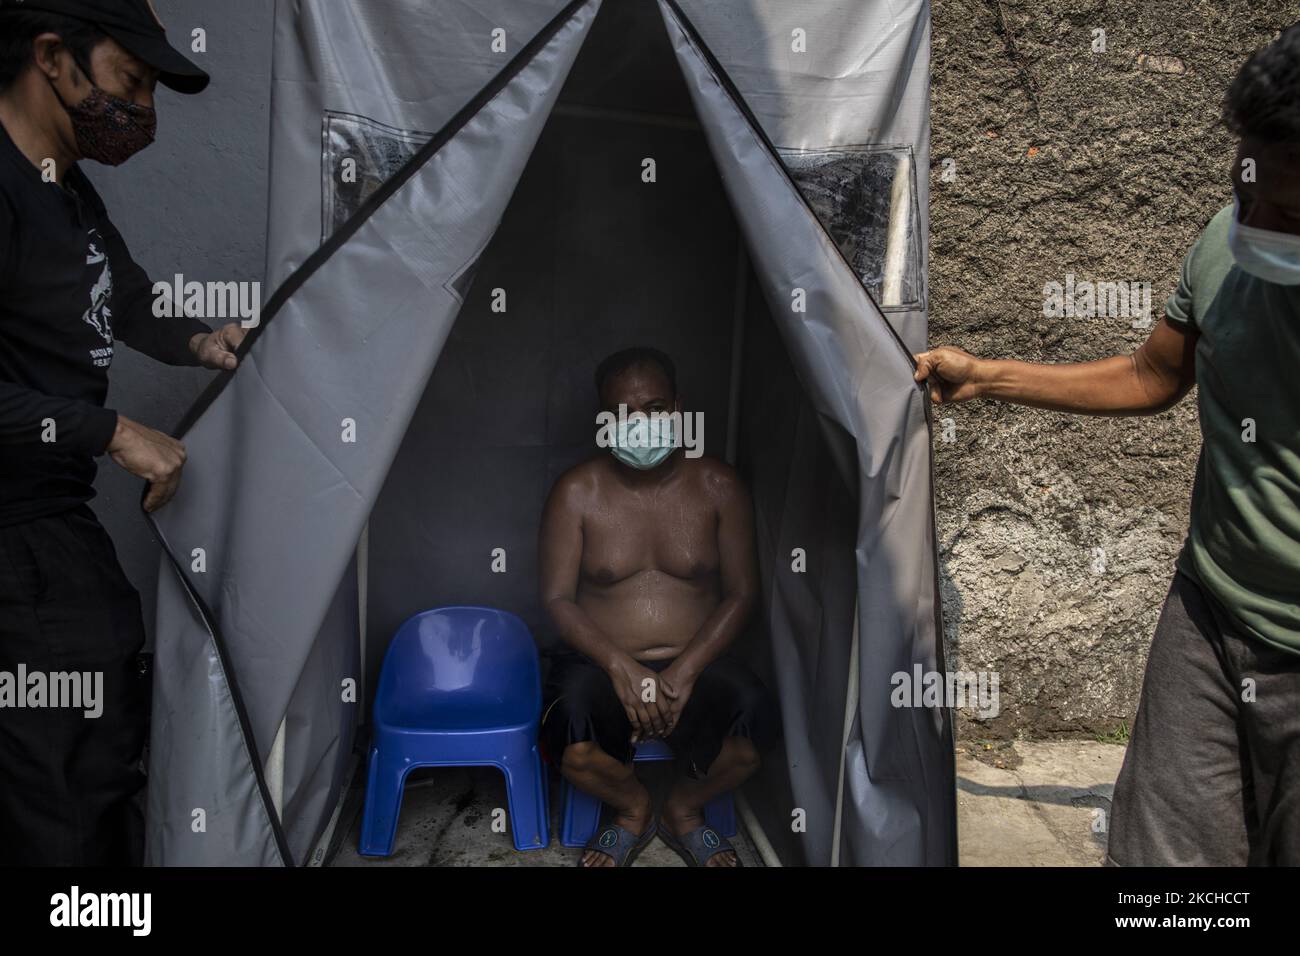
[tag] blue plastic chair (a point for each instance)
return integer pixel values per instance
(460, 687)
(582, 810)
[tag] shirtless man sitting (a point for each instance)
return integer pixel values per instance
(648, 574)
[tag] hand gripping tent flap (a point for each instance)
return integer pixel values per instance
(471, 204)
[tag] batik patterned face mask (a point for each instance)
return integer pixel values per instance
(109, 129)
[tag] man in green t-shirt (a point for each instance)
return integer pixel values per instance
(1212, 772)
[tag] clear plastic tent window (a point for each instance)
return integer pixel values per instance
(460, 415)
(866, 199)
(358, 155)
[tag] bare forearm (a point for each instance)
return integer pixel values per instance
(717, 633)
(1109, 386)
(580, 632)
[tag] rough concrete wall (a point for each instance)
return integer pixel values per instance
(1107, 166)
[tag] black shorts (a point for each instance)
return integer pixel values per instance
(728, 701)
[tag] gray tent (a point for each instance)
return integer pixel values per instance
(471, 204)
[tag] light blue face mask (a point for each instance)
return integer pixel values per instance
(1265, 254)
(644, 444)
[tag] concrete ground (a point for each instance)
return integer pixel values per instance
(1020, 803)
(1027, 803)
(447, 821)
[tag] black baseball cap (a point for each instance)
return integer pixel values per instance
(136, 26)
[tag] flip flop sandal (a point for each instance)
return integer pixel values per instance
(699, 845)
(619, 844)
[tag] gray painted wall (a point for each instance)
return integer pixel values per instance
(193, 203)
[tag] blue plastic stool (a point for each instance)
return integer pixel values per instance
(460, 687)
(582, 810)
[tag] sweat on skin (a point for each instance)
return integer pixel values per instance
(649, 574)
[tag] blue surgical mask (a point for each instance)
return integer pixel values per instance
(1271, 256)
(644, 443)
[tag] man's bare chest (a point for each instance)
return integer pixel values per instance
(678, 538)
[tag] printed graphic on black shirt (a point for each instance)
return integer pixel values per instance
(99, 316)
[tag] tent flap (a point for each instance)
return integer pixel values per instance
(420, 116)
(898, 808)
(287, 457)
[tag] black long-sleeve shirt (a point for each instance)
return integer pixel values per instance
(68, 287)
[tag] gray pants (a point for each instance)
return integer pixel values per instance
(1211, 776)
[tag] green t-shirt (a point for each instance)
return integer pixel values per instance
(1244, 542)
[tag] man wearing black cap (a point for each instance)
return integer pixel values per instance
(76, 82)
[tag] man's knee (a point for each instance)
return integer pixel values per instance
(744, 755)
(580, 757)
